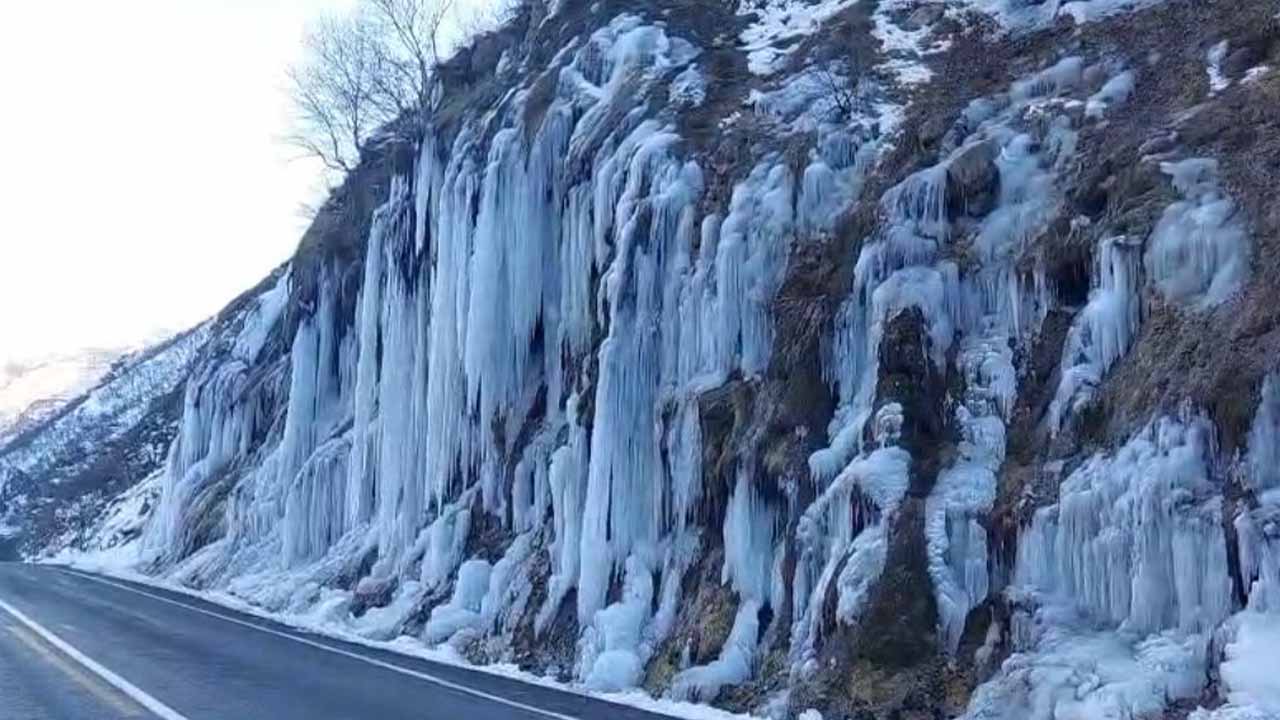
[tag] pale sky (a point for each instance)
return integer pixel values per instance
(143, 183)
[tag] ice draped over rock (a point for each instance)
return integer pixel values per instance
(545, 298)
(540, 308)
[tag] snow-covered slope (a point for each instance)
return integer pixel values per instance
(58, 470)
(889, 359)
(33, 390)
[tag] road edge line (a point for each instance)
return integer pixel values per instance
(337, 651)
(134, 692)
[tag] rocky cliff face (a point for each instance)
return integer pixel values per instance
(893, 359)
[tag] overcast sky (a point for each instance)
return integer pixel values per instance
(143, 183)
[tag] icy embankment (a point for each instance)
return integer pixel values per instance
(1122, 593)
(998, 177)
(491, 434)
(1135, 543)
(526, 283)
(1251, 637)
(122, 560)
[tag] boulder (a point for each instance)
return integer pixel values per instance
(924, 16)
(973, 180)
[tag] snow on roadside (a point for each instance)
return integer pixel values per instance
(120, 561)
(121, 523)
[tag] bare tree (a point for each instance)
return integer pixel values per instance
(342, 92)
(412, 30)
(840, 90)
(375, 66)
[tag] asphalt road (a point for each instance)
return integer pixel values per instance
(77, 647)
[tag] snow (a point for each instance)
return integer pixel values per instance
(120, 563)
(112, 407)
(36, 389)
(905, 48)
(62, 448)
(827, 100)
(1216, 56)
(777, 26)
(1021, 16)
(1074, 673)
(1113, 93)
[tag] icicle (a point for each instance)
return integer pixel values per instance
(463, 609)
(1102, 332)
(1199, 252)
(364, 445)
(734, 665)
(610, 659)
(749, 534)
(843, 527)
(1128, 529)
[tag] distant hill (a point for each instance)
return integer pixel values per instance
(34, 390)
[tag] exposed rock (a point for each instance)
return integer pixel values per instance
(372, 593)
(973, 180)
(924, 16)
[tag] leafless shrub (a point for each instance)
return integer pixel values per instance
(840, 89)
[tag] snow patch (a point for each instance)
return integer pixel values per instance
(1216, 56)
(778, 26)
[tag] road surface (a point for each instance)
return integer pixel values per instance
(82, 647)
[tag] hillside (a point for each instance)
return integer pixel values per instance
(882, 359)
(33, 390)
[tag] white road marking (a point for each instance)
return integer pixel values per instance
(133, 691)
(92, 684)
(337, 651)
